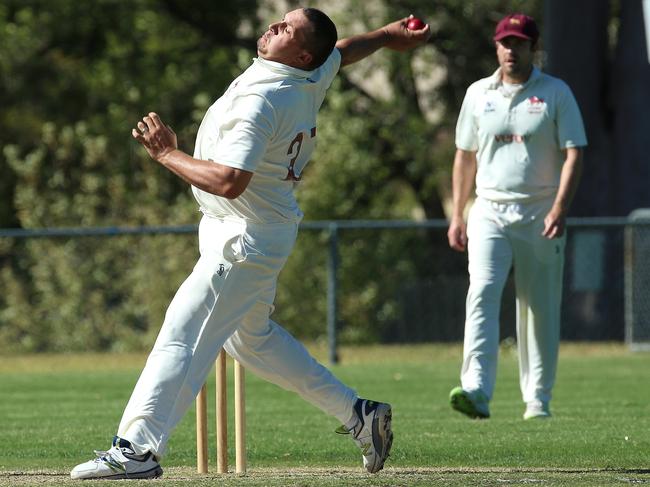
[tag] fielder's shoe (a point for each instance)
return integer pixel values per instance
(120, 462)
(471, 403)
(537, 410)
(372, 433)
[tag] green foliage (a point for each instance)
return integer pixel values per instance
(92, 293)
(76, 76)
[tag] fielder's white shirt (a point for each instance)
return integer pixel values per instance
(519, 136)
(265, 123)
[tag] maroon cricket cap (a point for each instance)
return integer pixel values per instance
(517, 25)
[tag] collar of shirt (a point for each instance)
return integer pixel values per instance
(283, 69)
(495, 79)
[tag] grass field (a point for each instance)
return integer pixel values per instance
(54, 410)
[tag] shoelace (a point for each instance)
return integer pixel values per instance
(356, 430)
(113, 457)
(361, 441)
(100, 454)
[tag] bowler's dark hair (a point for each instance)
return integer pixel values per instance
(322, 38)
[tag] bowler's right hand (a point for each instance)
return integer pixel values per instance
(401, 38)
(156, 137)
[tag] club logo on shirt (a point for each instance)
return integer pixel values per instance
(536, 104)
(489, 107)
(221, 270)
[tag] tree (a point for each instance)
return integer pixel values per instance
(610, 84)
(76, 76)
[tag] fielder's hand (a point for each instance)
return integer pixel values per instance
(403, 39)
(156, 137)
(554, 224)
(457, 235)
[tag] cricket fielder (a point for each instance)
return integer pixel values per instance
(518, 137)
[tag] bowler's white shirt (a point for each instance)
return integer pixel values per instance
(519, 137)
(265, 123)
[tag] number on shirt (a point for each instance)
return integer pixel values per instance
(296, 145)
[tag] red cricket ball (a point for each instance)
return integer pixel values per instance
(415, 24)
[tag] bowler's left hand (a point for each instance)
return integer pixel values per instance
(554, 224)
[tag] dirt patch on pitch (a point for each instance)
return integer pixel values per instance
(336, 477)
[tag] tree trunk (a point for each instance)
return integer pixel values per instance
(631, 92)
(575, 38)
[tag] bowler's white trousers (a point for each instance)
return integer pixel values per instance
(500, 236)
(226, 301)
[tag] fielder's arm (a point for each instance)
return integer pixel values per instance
(160, 142)
(393, 36)
(555, 220)
(462, 183)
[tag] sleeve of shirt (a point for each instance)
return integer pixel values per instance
(570, 129)
(466, 128)
(245, 133)
(329, 69)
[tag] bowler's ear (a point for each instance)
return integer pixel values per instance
(304, 59)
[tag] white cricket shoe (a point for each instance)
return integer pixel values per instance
(537, 410)
(372, 433)
(120, 462)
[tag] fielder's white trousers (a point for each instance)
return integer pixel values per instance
(500, 236)
(226, 301)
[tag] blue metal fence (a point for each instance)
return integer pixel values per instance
(578, 226)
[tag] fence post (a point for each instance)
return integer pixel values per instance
(332, 267)
(636, 253)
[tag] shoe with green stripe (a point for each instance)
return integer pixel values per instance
(471, 403)
(120, 462)
(372, 432)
